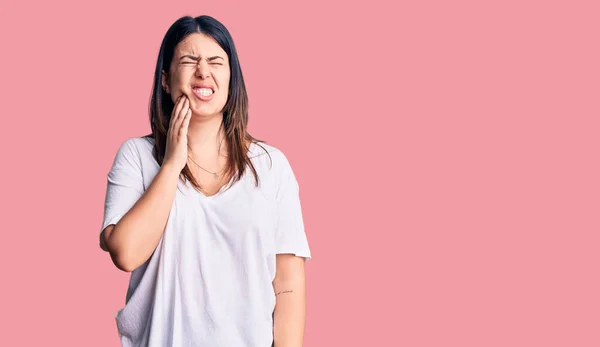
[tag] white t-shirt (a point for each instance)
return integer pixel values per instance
(209, 281)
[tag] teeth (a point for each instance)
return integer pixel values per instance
(204, 91)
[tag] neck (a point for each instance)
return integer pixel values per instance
(205, 138)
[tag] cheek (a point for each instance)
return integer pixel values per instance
(181, 76)
(178, 81)
(224, 95)
(224, 89)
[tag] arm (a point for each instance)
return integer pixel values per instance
(290, 307)
(292, 251)
(134, 238)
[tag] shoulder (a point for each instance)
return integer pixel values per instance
(269, 157)
(273, 166)
(136, 147)
(134, 151)
(143, 144)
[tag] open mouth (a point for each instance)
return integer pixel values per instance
(204, 92)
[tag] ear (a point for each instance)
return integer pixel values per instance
(165, 82)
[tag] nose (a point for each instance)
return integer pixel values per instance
(202, 70)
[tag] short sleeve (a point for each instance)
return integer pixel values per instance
(125, 183)
(290, 234)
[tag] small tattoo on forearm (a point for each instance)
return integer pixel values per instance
(285, 291)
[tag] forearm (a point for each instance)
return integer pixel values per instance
(290, 312)
(136, 235)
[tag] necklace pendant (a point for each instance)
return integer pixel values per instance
(216, 176)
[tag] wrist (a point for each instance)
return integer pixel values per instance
(170, 170)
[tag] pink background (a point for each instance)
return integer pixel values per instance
(447, 154)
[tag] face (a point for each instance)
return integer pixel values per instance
(199, 70)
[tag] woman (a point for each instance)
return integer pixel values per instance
(206, 218)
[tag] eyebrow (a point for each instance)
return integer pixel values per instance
(196, 58)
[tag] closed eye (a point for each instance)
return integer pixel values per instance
(194, 63)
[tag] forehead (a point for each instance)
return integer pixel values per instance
(199, 44)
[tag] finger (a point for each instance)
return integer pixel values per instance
(182, 113)
(175, 112)
(186, 122)
(177, 108)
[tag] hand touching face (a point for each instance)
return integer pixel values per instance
(200, 70)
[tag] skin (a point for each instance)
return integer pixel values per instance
(290, 307)
(194, 133)
(200, 59)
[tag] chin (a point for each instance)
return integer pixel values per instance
(205, 113)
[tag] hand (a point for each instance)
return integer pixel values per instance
(176, 151)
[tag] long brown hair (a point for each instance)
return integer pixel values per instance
(235, 111)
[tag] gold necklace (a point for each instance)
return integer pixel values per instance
(215, 174)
